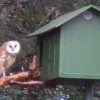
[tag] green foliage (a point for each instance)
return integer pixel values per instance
(36, 93)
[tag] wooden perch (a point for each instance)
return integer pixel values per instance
(31, 83)
(33, 73)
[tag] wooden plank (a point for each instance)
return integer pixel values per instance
(51, 55)
(56, 52)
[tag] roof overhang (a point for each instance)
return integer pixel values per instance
(60, 21)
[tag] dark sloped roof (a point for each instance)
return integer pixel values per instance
(61, 20)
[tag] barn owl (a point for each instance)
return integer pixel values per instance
(8, 53)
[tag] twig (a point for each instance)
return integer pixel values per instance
(21, 7)
(43, 21)
(35, 2)
(13, 36)
(20, 28)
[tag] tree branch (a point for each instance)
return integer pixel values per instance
(31, 83)
(33, 73)
(43, 21)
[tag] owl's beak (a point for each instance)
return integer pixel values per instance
(13, 49)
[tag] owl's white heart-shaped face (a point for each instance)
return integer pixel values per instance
(13, 47)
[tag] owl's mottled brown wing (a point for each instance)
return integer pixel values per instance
(3, 56)
(2, 60)
(3, 50)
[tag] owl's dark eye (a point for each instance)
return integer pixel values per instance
(10, 46)
(15, 46)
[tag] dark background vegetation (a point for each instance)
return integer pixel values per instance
(18, 18)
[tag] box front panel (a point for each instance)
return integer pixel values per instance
(80, 48)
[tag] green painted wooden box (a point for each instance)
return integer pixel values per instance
(69, 46)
